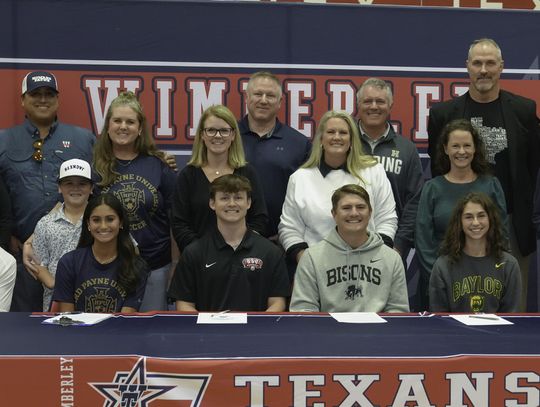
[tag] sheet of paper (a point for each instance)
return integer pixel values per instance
(222, 318)
(357, 317)
(481, 319)
(77, 319)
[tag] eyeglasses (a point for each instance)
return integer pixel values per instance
(38, 155)
(212, 132)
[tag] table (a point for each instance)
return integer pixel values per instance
(273, 360)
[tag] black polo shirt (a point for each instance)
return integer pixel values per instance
(216, 277)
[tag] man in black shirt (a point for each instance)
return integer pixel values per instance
(231, 267)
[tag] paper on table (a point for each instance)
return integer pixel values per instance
(357, 317)
(481, 319)
(222, 318)
(79, 319)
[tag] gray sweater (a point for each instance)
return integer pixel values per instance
(475, 284)
(333, 277)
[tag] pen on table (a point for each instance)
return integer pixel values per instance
(484, 317)
(218, 314)
(68, 313)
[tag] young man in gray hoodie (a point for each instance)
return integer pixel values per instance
(352, 269)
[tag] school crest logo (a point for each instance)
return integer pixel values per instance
(138, 387)
(131, 198)
(100, 301)
(252, 263)
(477, 303)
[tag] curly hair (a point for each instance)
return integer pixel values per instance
(357, 160)
(479, 163)
(454, 239)
(104, 160)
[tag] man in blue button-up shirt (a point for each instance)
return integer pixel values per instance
(30, 158)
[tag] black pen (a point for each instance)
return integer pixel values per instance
(484, 317)
(219, 314)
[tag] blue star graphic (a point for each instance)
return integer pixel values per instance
(130, 390)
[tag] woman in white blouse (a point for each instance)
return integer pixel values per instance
(336, 159)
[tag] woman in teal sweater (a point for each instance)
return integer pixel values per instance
(461, 158)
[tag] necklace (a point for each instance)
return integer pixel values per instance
(465, 180)
(219, 172)
(104, 261)
(124, 163)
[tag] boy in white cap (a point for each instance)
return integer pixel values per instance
(58, 232)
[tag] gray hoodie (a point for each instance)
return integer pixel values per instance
(333, 277)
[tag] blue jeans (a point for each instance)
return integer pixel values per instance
(155, 293)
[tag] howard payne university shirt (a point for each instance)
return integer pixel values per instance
(216, 277)
(92, 286)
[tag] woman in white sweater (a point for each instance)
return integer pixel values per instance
(336, 159)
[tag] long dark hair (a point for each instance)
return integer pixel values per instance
(454, 239)
(479, 163)
(127, 274)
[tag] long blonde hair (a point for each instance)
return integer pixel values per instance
(357, 160)
(104, 159)
(199, 156)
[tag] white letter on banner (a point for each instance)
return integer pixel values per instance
(532, 397)
(356, 392)
(256, 383)
(339, 93)
(424, 92)
(296, 109)
(164, 87)
(112, 86)
(410, 389)
(458, 89)
(487, 4)
(460, 384)
(300, 391)
(200, 99)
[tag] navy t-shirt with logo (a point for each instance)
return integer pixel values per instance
(93, 287)
(145, 186)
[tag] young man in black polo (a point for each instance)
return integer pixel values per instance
(231, 267)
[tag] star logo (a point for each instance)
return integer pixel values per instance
(138, 387)
(131, 390)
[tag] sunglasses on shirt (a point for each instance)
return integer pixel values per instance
(38, 154)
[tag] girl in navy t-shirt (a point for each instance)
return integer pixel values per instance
(104, 273)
